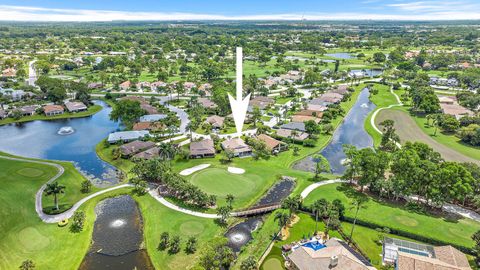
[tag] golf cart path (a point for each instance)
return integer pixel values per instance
(38, 196)
(154, 193)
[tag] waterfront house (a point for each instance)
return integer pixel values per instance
(340, 89)
(153, 152)
(202, 149)
(152, 126)
(292, 134)
(406, 255)
(331, 97)
(51, 110)
(317, 108)
(152, 117)
(237, 146)
(135, 147)
(304, 118)
(333, 254)
(3, 114)
(27, 110)
(298, 126)
(127, 136)
(75, 106)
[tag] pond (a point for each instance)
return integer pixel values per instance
(351, 131)
(65, 139)
(117, 237)
(341, 55)
(368, 72)
(240, 234)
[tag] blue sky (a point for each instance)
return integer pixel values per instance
(105, 10)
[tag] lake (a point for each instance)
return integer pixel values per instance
(41, 139)
(340, 55)
(351, 131)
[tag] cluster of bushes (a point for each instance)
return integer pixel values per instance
(160, 171)
(174, 244)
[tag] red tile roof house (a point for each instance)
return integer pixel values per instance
(51, 110)
(149, 108)
(135, 147)
(148, 154)
(27, 110)
(261, 102)
(331, 97)
(125, 85)
(341, 89)
(289, 134)
(189, 86)
(76, 106)
(152, 126)
(9, 72)
(202, 149)
(207, 103)
(238, 147)
(216, 121)
(456, 110)
(273, 145)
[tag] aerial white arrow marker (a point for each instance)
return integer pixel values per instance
(239, 106)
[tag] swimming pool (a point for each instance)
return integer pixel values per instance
(315, 245)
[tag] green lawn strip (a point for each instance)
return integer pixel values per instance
(71, 179)
(91, 111)
(449, 140)
(105, 152)
(157, 219)
(274, 260)
(381, 100)
(396, 217)
(23, 235)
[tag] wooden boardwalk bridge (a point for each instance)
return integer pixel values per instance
(257, 210)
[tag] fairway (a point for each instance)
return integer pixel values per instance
(392, 215)
(219, 182)
(408, 130)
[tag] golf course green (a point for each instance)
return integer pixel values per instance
(219, 182)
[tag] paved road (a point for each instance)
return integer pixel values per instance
(32, 74)
(408, 130)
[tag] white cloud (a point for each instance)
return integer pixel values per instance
(428, 12)
(431, 7)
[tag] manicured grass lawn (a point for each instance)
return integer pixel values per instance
(274, 260)
(219, 182)
(395, 216)
(104, 151)
(23, 235)
(91, 110)
(72, 181)
(381, 100)
(449, 140)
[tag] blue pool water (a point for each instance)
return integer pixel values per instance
(314, 245)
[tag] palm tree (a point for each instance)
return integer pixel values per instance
(318, 208)
(230, 198)
(167, 151)
(224, 213)
(357, 204)
(282, 219)
(292, 204)
(54, 189)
